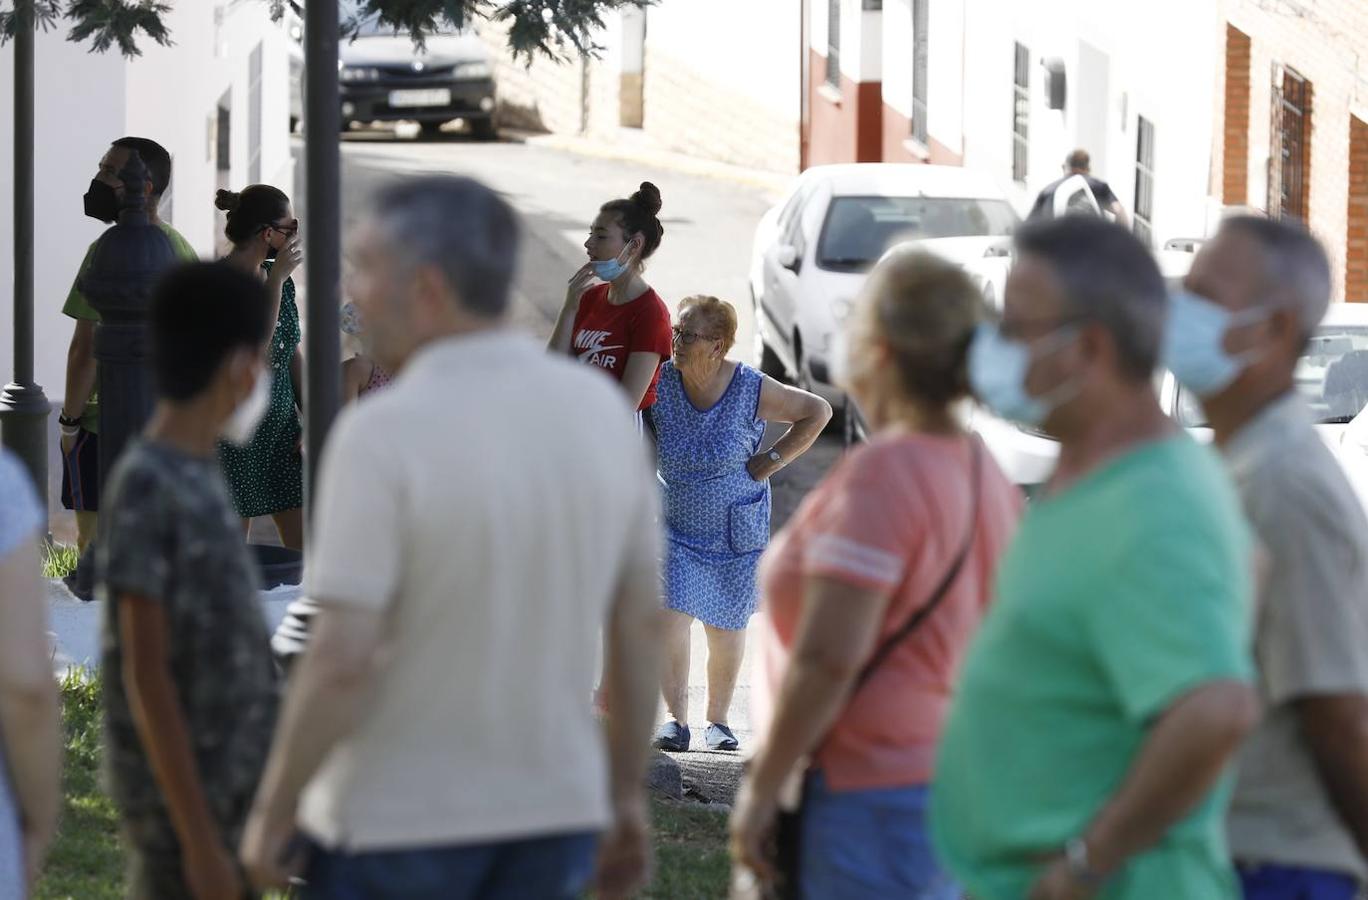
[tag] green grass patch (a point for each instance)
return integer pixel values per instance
(59, 560)
(691, 852)
(87, 862)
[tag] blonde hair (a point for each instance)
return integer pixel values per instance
(924, 311)
(719, 314)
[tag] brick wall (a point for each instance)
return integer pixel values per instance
(1323, 42)
(1235, 149)
(1356, 245)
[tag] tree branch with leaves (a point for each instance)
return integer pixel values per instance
(557, 29)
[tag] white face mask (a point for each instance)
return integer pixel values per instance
(242, 425)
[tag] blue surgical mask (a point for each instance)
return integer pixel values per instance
(608, 269)
(998, 368)
(1194, 343)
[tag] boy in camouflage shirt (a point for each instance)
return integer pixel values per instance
(190, 686)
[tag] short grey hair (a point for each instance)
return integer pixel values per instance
(1108, 277)
(460, 227)
(1296, 269)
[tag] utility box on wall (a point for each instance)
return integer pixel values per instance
(1056, 87)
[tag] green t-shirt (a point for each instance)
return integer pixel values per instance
(1118, 596)
(77, 307)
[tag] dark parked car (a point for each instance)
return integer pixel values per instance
(383, 77)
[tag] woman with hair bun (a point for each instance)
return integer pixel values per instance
(266, 476)
(612, 318)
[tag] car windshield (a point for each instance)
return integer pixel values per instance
(859, 229)
(1332, 375)
(370, 26)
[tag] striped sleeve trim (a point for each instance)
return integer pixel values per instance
(834, 554)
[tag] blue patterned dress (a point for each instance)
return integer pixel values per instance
(717, 518)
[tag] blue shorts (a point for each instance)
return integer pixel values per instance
(555, 867)
(1288, 883)
(869, 843)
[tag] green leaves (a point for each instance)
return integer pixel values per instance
(109, 22)
(558, 29)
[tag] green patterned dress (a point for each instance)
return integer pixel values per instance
(267, 475)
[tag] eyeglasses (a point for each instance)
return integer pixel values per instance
(689, 337)
(289, 230)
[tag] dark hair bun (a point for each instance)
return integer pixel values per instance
(227, 200)
(648, 198)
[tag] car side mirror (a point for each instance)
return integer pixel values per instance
(787, 256)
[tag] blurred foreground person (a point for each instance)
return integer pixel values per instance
(872, 593)
(1088, 746)
(190, 687)
(30, 743)
(437, 740)
(1299, 820)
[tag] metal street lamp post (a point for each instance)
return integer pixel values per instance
(24, 409)
(322, 158)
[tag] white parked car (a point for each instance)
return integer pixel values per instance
(813, 250)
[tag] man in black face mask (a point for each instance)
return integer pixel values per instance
(80, 418)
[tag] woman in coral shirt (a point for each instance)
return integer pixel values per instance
(920, 511)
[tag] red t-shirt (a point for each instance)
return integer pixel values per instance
(604, 335)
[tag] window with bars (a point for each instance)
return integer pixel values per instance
(1021, 113)
(833, 62)
(921, 24)
(1144, 180)
(1294, 119)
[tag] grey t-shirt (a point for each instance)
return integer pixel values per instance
(174, 539)
(20, 519)
(1311, 635)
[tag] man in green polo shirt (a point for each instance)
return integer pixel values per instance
(80, 417)
(1088, 747)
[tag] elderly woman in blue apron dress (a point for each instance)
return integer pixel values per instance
(709, 421)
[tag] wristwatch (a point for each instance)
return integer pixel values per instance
(1080, 864)
(67, 423)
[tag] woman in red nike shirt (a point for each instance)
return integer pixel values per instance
(612, 318)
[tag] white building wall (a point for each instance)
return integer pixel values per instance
(1113, 75)
(83, 101)
(754, 54)
(861, 39)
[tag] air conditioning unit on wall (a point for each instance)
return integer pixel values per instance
(1056, 86)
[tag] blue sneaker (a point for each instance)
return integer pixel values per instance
(720, 737)
(672, 736)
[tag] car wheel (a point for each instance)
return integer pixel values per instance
(770, 364)
(432, 130)
(484, 130)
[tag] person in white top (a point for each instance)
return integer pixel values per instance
(479, 524)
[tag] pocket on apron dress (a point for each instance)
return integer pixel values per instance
(748, 524)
